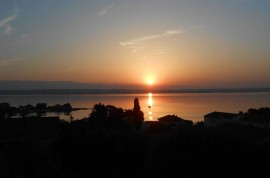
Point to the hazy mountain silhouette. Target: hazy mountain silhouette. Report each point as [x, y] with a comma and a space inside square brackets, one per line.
[70, 87]
[45, 85]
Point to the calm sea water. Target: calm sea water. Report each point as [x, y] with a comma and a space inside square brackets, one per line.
[185, 105]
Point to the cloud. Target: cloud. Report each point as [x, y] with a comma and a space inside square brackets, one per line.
[5, 25]
[136, 44]
[24, 36]
[7, 62]
[105, 10]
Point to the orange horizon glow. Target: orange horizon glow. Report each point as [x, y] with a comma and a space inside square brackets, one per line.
[141, 53]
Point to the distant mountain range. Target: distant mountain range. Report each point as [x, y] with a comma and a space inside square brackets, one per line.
[45, 85]
[67, 87]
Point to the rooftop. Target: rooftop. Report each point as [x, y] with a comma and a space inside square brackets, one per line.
[173, 119]
[217, 114]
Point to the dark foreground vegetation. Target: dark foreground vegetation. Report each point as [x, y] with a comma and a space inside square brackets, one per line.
[114, 142]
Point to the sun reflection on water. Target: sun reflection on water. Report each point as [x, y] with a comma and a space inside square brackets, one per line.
[150, 104]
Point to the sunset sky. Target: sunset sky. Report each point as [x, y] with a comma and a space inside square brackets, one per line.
[173, 43]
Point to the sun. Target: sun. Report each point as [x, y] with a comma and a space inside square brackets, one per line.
[150, 81]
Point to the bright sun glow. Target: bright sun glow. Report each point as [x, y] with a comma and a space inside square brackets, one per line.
[150, 81]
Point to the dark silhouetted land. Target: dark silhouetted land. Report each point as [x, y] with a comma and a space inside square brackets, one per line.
[111, 143]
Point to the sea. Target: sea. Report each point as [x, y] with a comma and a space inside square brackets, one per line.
[189, 106]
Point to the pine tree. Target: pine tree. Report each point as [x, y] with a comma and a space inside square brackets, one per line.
[138, 114]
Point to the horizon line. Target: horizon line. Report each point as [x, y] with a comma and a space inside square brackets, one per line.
[133, 91]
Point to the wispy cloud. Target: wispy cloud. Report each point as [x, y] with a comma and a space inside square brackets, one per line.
[7, 62]
[105, 11]
[5, 25]
[24, 36]
[136, 44]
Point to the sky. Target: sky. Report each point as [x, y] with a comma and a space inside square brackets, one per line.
[174, 43]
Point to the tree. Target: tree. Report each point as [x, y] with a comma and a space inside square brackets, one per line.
[67, 107]
[138, 114]
[99, 114]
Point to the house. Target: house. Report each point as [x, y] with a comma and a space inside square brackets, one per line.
[215, 119]
[174, 120]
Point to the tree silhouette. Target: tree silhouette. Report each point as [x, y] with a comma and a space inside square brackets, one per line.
[115, 116]
[99, 114]
[107, 116]
[138, 114]
[67, 107]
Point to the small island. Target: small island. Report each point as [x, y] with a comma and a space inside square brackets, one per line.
[40, 109]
